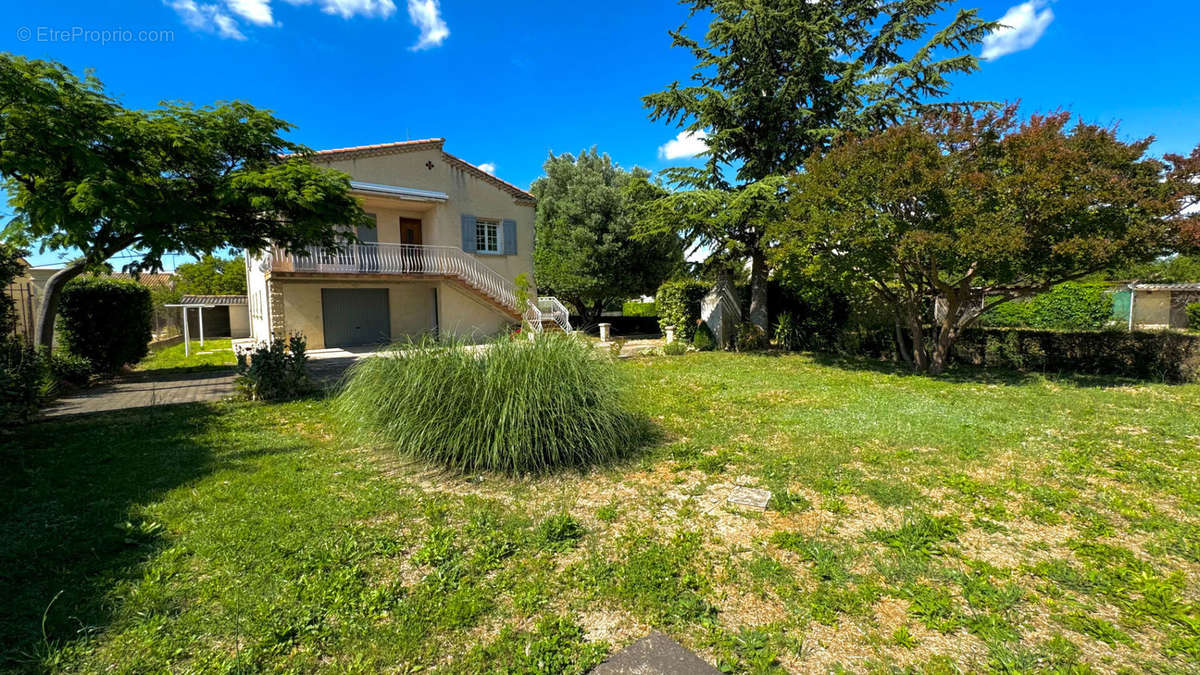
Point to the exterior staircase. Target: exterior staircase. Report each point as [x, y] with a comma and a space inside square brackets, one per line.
[416, 261]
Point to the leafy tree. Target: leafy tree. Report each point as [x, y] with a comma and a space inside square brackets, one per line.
[211, 275]
[1175, 269]
[585, 251]
[86, 173]
[777, 80]
[954, 215]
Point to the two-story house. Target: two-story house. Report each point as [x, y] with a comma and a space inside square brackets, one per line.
[449, 241]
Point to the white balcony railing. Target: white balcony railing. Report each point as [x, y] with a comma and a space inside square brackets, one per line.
[419, 260]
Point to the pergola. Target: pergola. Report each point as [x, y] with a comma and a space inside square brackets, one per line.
[201, 303]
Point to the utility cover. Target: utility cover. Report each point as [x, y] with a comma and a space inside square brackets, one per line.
[751, 497]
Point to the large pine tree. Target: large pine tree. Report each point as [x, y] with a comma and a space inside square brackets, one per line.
[776, 81]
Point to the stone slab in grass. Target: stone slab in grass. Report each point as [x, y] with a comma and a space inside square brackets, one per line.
[750, 497]
[655, 654]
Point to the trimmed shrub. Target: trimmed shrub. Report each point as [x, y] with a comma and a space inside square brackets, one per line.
[678, 304]
[25, 380]
[676, 348]
[1069, 306]
[276, 371]
[1168, 356]
[106, 321]
[514, 406]
[70, 368]
[703, 339]
[787, 332]
[1193, 316]
[634, 308]
[750, 338]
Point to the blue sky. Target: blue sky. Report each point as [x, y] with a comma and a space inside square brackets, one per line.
[505, 83]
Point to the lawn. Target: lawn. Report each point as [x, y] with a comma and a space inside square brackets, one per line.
[968, 522]
[216, 354]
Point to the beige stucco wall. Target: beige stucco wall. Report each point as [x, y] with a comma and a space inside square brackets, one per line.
[442, 223]
[410, 307]
[463, 315]
[1152, 309]
[239, 321]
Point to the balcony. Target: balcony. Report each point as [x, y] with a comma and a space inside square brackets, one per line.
[419, 261]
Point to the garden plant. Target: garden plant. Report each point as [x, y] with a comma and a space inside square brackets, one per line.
[511, 406]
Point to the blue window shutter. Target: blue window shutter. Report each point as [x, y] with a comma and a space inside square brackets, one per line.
[510, 237]
[468, 232]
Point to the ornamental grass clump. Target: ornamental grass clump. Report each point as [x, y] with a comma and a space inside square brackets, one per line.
[515, 406]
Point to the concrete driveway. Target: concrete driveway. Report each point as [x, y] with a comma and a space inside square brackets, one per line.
[143, 389]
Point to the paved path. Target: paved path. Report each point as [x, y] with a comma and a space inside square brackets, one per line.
[655, 654]
[139, 390]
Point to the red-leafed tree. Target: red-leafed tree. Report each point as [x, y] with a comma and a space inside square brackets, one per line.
[950, 216]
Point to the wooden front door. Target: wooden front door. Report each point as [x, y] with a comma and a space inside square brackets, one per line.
[410, 231]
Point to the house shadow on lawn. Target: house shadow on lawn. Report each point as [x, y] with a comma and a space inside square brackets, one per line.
[69, 535]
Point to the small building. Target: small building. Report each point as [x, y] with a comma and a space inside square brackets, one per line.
[722, 312]
[1154, 306]
[215, 316]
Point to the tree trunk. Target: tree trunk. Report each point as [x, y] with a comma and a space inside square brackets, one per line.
[901, 345]
[758, 289]
[48, 308]
[941, 352]
[947, 333]
[920, 353]
[595, 312]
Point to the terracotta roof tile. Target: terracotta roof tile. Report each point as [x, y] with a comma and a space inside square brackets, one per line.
[156, 280]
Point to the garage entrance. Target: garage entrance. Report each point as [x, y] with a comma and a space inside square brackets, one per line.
[355, 316]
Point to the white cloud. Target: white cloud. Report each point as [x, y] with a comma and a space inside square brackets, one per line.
[427, 15]
[350, 8]
[209, 18]
[226, 17]
[1022, 27]
[489, 167]
[685, 144]
[257, 12]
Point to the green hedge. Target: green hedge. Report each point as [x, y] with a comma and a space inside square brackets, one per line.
[1069, 306]
[1193, 316]
[678, 304]
[1168, 356]
[106, 321]
[634, 308]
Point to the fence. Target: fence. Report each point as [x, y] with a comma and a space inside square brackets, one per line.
[21, 293]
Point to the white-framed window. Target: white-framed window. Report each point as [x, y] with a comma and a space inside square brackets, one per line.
[487, 236]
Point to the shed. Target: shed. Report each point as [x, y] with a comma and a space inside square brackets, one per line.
[1155, 306]
[215, 316]
[722, 312]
